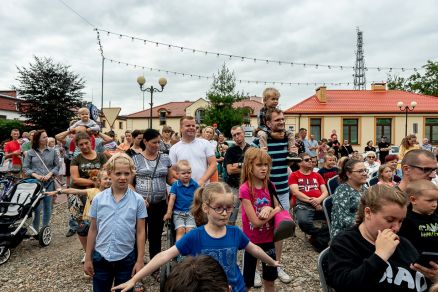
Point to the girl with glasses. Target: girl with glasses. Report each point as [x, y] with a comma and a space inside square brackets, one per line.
[214, 203]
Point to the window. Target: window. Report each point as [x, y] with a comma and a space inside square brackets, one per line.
[199, 115]
[431, 128]
[120, 125]
[162, 117]
[315, 128]
[383, 128]
[3, 117]
[350, 130]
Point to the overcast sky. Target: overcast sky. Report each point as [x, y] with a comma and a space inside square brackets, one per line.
[396, 34]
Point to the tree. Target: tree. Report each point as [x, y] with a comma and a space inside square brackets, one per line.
[424, 84]
[50, 93]
[222, 95]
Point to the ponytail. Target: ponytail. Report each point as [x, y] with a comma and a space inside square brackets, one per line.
[196, 209]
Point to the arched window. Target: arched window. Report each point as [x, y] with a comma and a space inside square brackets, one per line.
[199, 115]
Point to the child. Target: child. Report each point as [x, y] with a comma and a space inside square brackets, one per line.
[385, 176]
[180, 200]
[117, 227]
[421, 223]
[270, 100]
[84, 120]
[215, 238]
[258, 210]
[328, 169]
[101, 182]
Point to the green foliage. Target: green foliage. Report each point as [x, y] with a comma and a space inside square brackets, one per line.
[51, 92]
[424, 84]
[222, 95]
[7, 125]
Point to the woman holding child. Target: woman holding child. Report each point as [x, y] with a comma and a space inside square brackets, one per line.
[153, 171]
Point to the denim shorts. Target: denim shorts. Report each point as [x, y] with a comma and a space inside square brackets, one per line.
[183, 219]
[284, 201]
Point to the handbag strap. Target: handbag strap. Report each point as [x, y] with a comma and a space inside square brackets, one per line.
[41, 161]
[273, 193]
[156, 165]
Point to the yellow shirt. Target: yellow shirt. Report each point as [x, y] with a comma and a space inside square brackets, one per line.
[91, 193]
[403, 150]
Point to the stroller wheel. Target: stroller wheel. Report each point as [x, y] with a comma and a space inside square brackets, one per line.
[5, 254]
[45, 236]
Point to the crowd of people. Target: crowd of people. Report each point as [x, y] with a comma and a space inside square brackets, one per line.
[119, 197]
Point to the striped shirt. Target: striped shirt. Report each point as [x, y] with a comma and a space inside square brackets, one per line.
[277, 149]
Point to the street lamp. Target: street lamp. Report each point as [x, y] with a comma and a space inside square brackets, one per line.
[406, 109]
[141, 81]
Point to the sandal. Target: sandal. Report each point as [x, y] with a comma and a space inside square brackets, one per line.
[138, 287]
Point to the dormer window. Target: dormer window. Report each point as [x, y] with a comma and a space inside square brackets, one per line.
[163, 117]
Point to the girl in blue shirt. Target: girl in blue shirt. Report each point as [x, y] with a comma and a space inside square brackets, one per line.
[214, 202]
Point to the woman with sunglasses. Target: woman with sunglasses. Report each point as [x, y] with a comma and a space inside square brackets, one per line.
[371, 163]
[353, 177]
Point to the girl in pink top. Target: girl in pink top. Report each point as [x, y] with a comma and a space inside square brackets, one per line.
[258, 210]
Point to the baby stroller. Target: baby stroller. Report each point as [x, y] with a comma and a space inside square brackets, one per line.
[16, 217]
[171, 236]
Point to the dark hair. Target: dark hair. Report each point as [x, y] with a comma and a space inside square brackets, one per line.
[271, 111]
[150, 134]
[36, 139]
[347, 167]
[197, 274]
[134, 134]
[81, 136]
[411, 158]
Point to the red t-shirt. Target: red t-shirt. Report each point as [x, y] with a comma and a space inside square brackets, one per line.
[308, 184]
[13, 146]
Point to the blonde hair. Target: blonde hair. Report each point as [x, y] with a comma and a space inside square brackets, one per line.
[375, 197]
[269, 90]
[415, 188]
[207, 195]
[82, 110]
[182, 164]
[110, 166]
[382, 169]
[96, 175]
[252, 155]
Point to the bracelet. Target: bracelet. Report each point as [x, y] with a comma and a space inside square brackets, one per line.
[59, 192]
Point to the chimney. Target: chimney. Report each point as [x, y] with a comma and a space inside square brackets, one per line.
[378, 86]
[321, 94]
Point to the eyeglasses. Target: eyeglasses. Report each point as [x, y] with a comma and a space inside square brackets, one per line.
[307, 159]
[426, 170]
[236, 134]
[361, 170]
[221, 209]
[371, 157]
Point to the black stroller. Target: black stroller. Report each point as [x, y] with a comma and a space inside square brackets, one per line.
[16, 217]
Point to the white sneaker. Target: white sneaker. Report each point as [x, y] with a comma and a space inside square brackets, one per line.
[83, 259]
[257, 280]
[285, 278]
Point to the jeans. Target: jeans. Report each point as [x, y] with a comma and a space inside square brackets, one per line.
[305, 216]
[105, 272]
[155, 226]
[46, 205]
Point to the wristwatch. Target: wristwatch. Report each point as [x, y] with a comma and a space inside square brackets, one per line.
[239, 165]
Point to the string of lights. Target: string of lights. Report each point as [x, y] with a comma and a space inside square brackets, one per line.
[251, 59]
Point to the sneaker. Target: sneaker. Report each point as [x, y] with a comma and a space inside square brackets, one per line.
[285, 278]
[83, 259]
[70, 233]
[257, 280]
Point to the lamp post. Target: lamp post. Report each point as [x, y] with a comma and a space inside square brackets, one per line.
[141, 81]
[406, 109]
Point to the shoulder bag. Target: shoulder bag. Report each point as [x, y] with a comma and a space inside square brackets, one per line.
[56, 181]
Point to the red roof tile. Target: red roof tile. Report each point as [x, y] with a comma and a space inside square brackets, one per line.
[365, 102]
[10, 93]
[174, 109]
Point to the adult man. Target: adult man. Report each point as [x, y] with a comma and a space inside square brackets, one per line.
[384, 148]
[13, 150]
[278, 150]
[426, 145]
[417, 164]
[311, 145]
[198, 152]
[310, 190]
[233, 164]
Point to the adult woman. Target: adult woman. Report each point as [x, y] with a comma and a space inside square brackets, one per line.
[353, 176]
[153, 171]
[42, 163]
[371, 163]
[370, 146]
[208, 134]
[346, 149]
[370, 256]
[165, 143]
[127, 143]
[137, 145]
[392, 160]
[88, 159]
[408, 143]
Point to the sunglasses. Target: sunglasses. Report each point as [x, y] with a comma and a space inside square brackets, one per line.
[371, 157]
[307, 159]
[425, 170]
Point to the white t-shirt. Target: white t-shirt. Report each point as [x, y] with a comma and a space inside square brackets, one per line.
[196, 153]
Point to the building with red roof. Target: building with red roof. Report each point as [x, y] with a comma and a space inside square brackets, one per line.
[363, 115]
[9, 105]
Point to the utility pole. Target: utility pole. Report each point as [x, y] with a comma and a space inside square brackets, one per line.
[359, 68]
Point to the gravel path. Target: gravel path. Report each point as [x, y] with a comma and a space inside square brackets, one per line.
[58, 267]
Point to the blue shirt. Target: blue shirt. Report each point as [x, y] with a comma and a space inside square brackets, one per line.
[310, 143]
[184, 195]
[223, 249]
[116, 223]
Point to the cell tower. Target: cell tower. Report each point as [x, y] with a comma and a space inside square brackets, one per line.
[359, 69]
